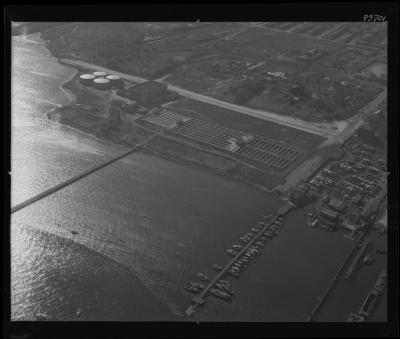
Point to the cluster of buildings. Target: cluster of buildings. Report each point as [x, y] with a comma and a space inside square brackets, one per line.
[100, 80]
[347, 192]
[146, 92]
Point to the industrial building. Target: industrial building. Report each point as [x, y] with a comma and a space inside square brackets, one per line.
[102, 83]
[329, 214]
[348, 225]
[100, 74]
[148, 91]
[87, 79]
[337, 205]
[115, 80]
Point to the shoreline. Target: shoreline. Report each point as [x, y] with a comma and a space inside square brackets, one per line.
[149, 150]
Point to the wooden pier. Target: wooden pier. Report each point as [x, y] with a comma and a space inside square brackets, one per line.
[200, 298]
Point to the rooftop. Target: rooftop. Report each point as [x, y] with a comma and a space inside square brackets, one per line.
[328, 212]
[337, 204]
[148, 85]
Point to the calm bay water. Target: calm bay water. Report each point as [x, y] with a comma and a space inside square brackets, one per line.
[161, 220]
[145, 226]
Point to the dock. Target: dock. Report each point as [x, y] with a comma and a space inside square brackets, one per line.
[356, 261]
[70, 181]
[368, 305]
[324, 296]
[200, 298]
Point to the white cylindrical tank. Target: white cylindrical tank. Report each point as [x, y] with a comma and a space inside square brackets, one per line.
[114, 79]
[101, 83]
[100, 74]
[86, 79]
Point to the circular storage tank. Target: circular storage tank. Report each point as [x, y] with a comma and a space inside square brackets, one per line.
[100, 74]
[114, 79]
[101, 83]
[86, 79]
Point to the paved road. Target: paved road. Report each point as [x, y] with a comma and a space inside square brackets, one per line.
[319, 129]
[357, 120]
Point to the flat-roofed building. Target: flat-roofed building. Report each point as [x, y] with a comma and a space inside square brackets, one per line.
[148, 91]
[337, 205]
[329, 214]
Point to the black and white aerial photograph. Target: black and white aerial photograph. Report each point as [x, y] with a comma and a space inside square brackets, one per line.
[199, 171]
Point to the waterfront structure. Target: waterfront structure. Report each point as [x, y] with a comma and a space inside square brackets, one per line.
[148, 91]
[329, 214]
[348, 225]
[101, 83]
[285, 209]
[86, 79]
[100, 74]
[337, 205]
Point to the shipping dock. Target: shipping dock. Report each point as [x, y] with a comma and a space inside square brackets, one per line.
[368, 304]
[357, 259]
[370, 301]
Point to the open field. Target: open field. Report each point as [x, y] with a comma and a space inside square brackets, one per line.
[230, 61]
[365, 34]
[378, 70]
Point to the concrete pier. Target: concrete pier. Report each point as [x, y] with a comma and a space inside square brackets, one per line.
[322, 298]
[69, 182]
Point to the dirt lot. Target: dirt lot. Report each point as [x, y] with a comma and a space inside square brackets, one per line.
[378, 70]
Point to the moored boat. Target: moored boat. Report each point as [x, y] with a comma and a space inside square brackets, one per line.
[220, 294]
[217, 267]
[202, 277]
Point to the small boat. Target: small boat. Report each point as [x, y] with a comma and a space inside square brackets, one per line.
[202, 277]
[355, 318]
[74, 232]
[197, 285]
[225, 282]
[231, 252]
[234, 272]
[369, 259]
[220, 294]
[191, 288]
[217, 267]
[380, 283]
[224, 288]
